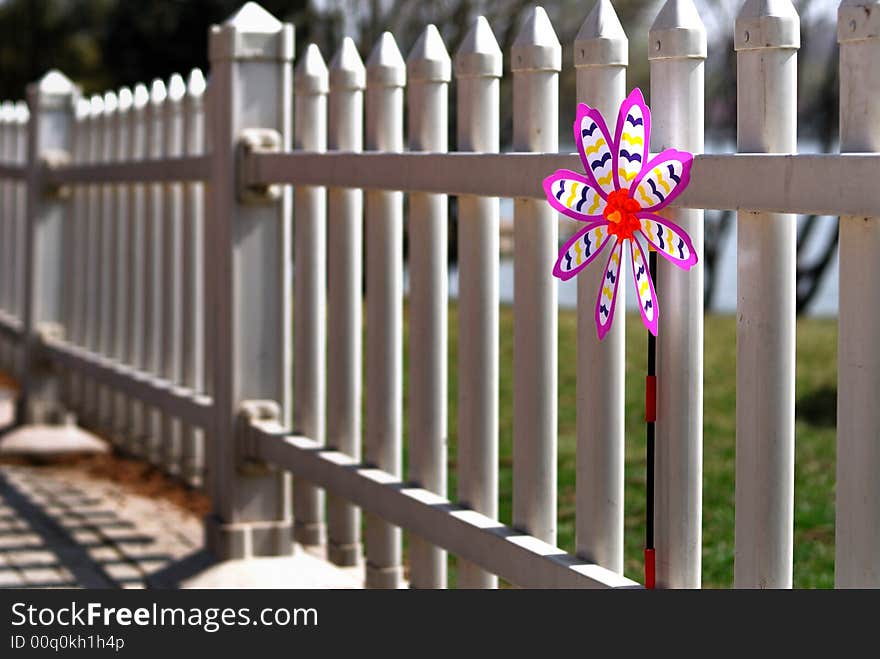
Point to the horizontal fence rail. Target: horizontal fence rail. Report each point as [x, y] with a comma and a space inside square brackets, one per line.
[191, 268]
[806, 184]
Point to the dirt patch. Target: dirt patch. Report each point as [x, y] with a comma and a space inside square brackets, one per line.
[136, 476]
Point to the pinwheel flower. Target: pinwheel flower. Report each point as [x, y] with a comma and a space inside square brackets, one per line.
[618, 200]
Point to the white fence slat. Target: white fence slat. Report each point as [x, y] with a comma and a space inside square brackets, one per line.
[121, 319]
[192, 447]
[677, 51]
[536, 59]
[310, 88]
[344, 323]
[170, 271]
[6, 248]
[428, 75]
[153, 231]
[478, 72]
[600, 60]
[857, 527]
[137, 290]
[766, 39]
[91, 261]
[109, 264]
[386, 77]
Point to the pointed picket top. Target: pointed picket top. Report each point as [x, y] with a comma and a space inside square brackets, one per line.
[96, 105]
[82, 109]
[111, 102]
[176, 88]
[21, 113]
[126, 99]
[429, 60]
[767, 24]
[7, 109]
[601, 39]
[254, 19]
[678, 32]
[385, 65]
[858, 20]
[311, 75]
[347, 68]
[479, 54]
[141, 96]
[196, 83]
[158, 91]
[536, 47]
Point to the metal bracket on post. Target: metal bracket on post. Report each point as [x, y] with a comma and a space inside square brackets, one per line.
[250, 412]
[53, 159]
[250, 141]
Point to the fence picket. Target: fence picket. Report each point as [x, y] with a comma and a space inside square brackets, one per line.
[477, 74]
[766, 40]
[600, 60]
[344, 324]
[428, 75]
[310, 88]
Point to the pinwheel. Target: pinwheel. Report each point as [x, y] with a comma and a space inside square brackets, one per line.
[617, 199]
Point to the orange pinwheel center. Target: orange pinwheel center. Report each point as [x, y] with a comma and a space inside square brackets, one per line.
[620, 213]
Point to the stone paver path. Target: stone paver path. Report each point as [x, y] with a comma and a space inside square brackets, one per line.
[60, 528]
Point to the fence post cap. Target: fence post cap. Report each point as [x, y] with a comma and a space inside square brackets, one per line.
[251, 33]
[385, 65]
[858, 20]
[601, 41]
[428, 60]
[6, 110]
[764, 24]
[536, 47]
[126, 99]
[347, 68]
[678, 32]
[311, 75]
[53, 90]
[479, 55]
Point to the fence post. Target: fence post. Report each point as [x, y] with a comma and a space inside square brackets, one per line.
[344, 322]
[536, 59]
[192, 348]
[478, 73]
[428, 74]
[251, 87]
[601, 56]
[766, 39]
[386, 77]
[857, 529]
[677, 52]
[51, 101]
[310, 84]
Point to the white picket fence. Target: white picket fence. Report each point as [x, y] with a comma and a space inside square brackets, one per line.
[147, 258]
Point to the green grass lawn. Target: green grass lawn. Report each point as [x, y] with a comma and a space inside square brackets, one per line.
[815, 450]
